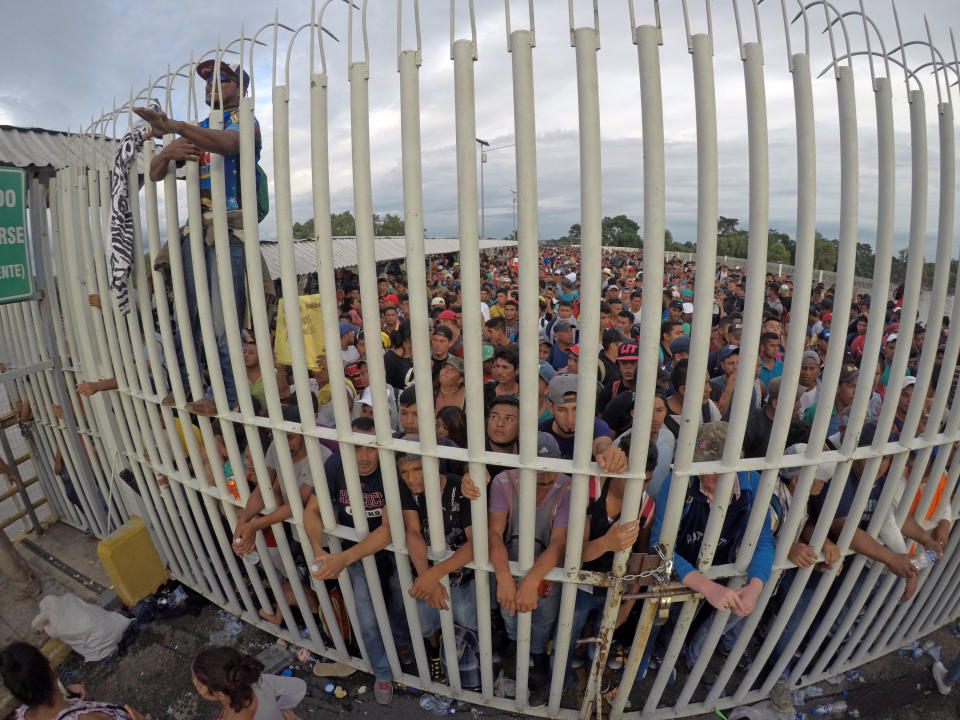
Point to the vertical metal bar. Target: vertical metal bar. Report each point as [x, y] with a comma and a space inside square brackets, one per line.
[464, 54]
[646, 38]
[707, 199]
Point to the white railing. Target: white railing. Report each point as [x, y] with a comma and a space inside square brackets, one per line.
[192, 519]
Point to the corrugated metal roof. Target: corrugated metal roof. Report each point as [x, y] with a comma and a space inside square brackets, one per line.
[50, 149]
[345, 251]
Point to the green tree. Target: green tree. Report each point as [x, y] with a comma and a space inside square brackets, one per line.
[726, 226]
[303, 231]
[824, 253]
[620, 231]
[775, 236]
[777, 253]
[343, 224]
[388, 225]
[573, 234]
[865, 260]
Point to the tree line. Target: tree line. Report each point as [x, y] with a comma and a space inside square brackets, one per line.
[622, 231]
[345, 225]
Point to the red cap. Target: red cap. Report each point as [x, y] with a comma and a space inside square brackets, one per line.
[447, 315]
[575, 349]
[392, 298]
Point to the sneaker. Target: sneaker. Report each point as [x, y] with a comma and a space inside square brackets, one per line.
[617, 658]
[405, 654]
[940, 675]
[436, 670]
[383, 691]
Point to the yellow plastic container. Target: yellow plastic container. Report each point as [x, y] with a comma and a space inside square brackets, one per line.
[131, 562]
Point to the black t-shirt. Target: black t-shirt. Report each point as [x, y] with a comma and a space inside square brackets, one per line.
[374, 501]
[396, 368]
[456, 518]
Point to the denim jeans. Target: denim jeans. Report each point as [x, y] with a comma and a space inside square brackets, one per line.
[463, 604]
[367, 618]
[727, 639]
[541, 624]
[798, 611]
[216, 310]
[586, 604]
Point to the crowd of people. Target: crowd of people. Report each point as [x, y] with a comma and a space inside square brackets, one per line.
[626, 303]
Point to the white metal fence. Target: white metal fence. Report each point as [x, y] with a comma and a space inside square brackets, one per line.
[66, 341]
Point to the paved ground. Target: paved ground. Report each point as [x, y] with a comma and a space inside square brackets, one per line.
[154, 675]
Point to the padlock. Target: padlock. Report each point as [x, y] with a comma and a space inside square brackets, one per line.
[663, 611]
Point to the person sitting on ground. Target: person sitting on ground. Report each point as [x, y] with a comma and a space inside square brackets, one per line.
[237, 682]
[30, 678]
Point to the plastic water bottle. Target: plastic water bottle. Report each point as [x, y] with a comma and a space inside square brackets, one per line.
[436, 704]
[316, 565]
[253, 556]
[800, 697]
[829, 709]
[922, 562]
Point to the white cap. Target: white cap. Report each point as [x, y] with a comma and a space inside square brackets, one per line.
[688, 308]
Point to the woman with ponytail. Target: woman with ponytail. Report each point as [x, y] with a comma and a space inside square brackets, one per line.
[29, 677]
[237, 681]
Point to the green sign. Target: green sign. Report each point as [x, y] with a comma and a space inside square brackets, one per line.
[16, 280]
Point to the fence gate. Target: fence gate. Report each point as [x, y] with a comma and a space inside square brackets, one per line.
[103, 457]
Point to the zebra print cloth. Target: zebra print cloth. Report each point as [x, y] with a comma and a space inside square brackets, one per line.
[121, 219]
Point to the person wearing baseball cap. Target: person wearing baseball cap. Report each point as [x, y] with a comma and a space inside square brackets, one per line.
[701, 493]
[627, 358]
[562, 400]
[348, 339]
[196, 143]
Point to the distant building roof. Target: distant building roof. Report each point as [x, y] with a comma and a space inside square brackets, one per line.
[39, 149]
[345, 251]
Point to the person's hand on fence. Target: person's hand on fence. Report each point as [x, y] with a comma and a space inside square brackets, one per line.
[182, 150]
[507, 593]
[621, 536]
[934, 546]
[909, 589]
[612, 460]
[159, 122]
[469, 488]
[57, 411]
[830, 552]
[94, 300]
[720, 596]
[333, 565]
[88, 389]
[527, 596]
[941, 533]
[748, 595]
[427, 587]
[802, 555]
[901, 566]
[244, 538]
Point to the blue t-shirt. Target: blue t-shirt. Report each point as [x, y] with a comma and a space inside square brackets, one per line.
[231, 163]
[768, 374]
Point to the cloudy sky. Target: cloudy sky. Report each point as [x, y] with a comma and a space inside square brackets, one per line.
[67, 61]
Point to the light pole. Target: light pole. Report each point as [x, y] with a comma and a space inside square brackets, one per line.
[483, 159]
[514, 214]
